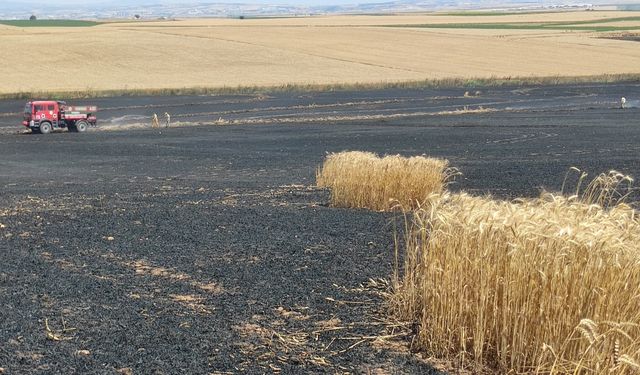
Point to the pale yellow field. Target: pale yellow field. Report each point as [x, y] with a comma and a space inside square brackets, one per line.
[402, 19]
[317, 50]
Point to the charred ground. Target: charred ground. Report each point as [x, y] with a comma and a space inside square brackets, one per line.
[206, 248]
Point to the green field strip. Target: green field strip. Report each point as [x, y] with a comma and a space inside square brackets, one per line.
[49, 23]
[518, 26]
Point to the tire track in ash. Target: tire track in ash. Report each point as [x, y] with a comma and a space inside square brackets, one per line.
[364, 108]
[522, 138]
[277, 112]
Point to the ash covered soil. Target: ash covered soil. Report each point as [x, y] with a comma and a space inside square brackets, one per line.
[204, 249]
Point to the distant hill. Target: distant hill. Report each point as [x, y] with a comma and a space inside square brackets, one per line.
[101, 9]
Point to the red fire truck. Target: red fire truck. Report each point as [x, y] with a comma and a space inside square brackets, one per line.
[45, 116]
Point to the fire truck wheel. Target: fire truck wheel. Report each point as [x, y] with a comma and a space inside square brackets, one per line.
[45, 128]
[81, 126]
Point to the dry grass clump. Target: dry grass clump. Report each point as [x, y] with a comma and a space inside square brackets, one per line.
[547, 285]
[364, 180]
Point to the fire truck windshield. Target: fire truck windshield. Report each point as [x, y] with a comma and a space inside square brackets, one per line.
[27, 109]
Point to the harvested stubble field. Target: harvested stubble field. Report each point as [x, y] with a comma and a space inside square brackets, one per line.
[317, 50]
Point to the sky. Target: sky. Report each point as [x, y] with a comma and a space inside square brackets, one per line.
[134, 2]
[120, 3]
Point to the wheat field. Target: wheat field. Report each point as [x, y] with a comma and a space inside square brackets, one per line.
[364, 180]
[547, 285]
[310, 50]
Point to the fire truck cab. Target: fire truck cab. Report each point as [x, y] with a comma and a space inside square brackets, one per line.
[46, 116]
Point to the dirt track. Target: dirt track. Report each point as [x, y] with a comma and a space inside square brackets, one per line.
[206, 248]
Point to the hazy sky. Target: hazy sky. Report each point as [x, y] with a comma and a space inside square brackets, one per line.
[134, 2]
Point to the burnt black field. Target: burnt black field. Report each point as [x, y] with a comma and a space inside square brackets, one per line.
[206, 248]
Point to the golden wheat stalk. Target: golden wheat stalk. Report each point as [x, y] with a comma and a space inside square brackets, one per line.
[364, 180]
[546, 285]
